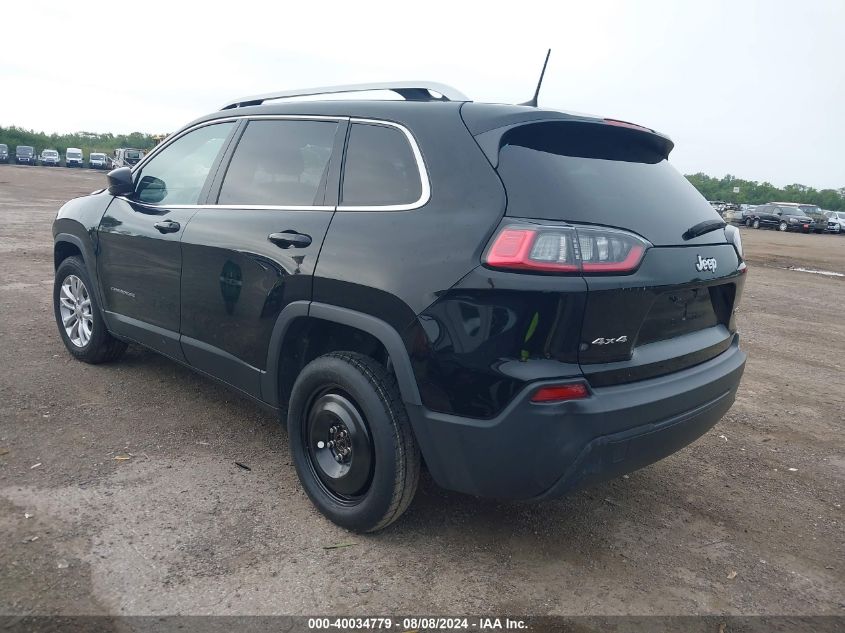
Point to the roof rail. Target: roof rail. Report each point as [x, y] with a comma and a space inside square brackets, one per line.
[411, 90]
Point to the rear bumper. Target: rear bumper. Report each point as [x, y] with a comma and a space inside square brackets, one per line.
[535, 451]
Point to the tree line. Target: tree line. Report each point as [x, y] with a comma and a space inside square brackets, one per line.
[86, 141]
[752, 192]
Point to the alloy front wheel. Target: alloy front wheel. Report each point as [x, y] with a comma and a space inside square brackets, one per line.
[75, 309]
[78, 316]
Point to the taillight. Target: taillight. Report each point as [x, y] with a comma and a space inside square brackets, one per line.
[561, 393]
[565, 249]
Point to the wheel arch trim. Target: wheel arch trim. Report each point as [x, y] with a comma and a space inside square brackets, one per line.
[380, 330]
[86, 251]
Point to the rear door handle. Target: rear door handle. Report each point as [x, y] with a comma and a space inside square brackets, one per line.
[167, 226]
[286, 239]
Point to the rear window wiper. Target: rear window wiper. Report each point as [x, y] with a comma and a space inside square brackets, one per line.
[703, 227]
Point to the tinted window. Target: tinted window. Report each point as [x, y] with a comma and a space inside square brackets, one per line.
[598, 174]
[176, 175]
[380, 168]
[280, 163]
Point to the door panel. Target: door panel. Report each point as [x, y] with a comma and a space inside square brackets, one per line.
[246, 258]
[139, 269]
[140, 256]
[235, 283]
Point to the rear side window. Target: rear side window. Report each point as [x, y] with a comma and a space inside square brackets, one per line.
[380, 168]
[280, 163]
[598, 174]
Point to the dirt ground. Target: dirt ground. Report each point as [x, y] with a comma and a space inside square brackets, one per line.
[747, 520]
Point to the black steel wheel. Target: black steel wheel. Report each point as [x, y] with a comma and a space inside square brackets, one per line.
[340, 452]
[351, 441]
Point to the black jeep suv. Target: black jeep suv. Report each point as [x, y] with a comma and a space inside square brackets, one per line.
[526, 300]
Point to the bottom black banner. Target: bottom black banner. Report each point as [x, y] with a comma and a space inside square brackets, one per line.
[281, 624]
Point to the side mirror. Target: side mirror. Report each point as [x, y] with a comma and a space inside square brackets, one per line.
[120, 181]
[151, 190]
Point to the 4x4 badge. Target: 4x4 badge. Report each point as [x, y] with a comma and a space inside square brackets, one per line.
[610, 341]
[708, 263]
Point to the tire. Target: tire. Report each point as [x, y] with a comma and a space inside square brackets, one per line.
[352, 391]
[748, 222]
[783, 226]
[756, 224]
[94, 346]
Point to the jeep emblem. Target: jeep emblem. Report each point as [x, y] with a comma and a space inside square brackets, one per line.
[706, 263]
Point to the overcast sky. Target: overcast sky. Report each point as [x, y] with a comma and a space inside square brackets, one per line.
[751, 88]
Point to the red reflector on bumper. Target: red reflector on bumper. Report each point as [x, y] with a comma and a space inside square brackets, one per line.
[559, 393]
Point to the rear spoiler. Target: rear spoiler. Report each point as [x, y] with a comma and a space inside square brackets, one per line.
[492, 140]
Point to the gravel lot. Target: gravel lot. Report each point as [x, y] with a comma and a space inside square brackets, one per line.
[748, 520]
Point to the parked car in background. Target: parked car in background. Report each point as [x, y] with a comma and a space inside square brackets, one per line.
[781, 217]
[835, 221]
[126, 157]
[4, 153]
[50, 158]
[25, 155]
[734, 215]
[719, 205]
[812, 211]
[97, 160]
[73, 157]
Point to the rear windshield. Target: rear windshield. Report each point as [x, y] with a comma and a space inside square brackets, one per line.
[598, 174]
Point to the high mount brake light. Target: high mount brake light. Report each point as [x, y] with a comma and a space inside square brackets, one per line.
[565, 249]
[633, 126]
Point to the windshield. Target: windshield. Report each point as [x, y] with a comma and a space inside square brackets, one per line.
[97, 156]
[841, 215]
[74, 153]
[133, 154]
[50, 152]
[24, 149]
[3, 146]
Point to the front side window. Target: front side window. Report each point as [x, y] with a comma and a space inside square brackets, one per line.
[280, 163]
[177, 174]
[380, 168]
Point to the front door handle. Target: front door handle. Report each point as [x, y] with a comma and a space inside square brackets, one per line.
[286, 239]
[167, 226]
